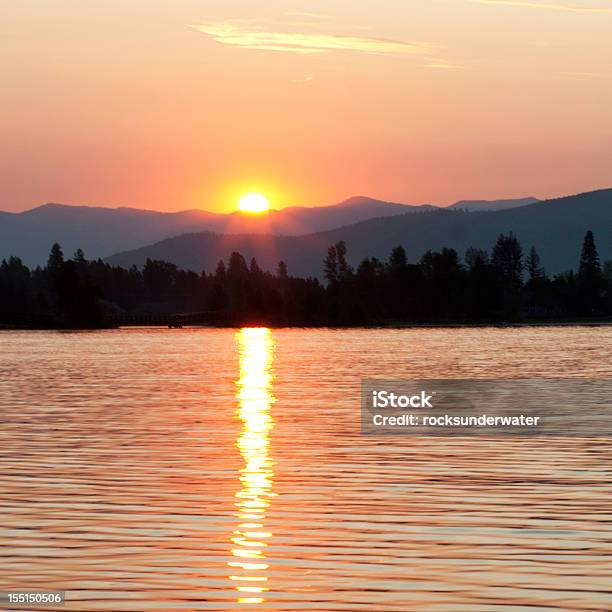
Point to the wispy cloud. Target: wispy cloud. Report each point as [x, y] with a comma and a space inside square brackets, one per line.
[309, 15]
[273, 36]
[551, 6]
[305, 79]
[442, 64]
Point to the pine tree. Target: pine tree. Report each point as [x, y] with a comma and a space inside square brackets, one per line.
[56, 258]
[590, 278]
[281, 271]
[330, 265]
[589, 258]
[398, 259]
[476, 258]
[533, 265]
[508, 258]
[220, 271]
[237, 267]
[344, 270]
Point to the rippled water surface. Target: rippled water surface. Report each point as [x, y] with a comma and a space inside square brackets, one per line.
[196, 469]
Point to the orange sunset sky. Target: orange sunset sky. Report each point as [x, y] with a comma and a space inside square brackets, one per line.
[189, 103]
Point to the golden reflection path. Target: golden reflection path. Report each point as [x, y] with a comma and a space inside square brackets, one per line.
[254, 395]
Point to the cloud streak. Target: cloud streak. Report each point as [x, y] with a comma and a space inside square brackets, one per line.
[309, 15]
[257, 34]
[442, 64]
[550, 6]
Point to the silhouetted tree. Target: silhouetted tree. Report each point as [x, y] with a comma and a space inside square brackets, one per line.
[79, 256]
[589, 258]
[508, 259]
[395, 285]
[443, 277]
[335, 265]
[81, 293]
[344, 270]
[476, 258]
[533, 265]
[160, 278]
[237, 267]
[79, 302]
[281, 271]
[56, 259]
[566, 289]
[483, 297]
[220, 270]
[398, 259]
[590, 278]
[254, 267]
[340, 288]
[15, 290]
[330, 265]
[538, 299]
[369, 289]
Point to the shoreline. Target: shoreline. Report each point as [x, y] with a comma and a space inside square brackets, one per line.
[389, 325]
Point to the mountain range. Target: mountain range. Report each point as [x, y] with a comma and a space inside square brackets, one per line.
[101, 231]
[556, 227]
[491, 205]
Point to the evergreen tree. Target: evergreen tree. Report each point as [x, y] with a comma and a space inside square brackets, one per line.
[330, 265]
[508, 259]
[344, 270]
[398, 259]
[439, 288]
[482, 289]
[78, 300]
[476, 258]
[589, 258]
[590, 278]
[220, 271]
[533, 265]
[160, 278]
[237, 267]
[341, 303]
[254, 267]
[15, 282]
[281, 271]
[56, 259]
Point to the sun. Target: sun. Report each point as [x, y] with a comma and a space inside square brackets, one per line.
[253, 203]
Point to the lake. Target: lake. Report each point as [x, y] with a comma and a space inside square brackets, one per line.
[219, 469]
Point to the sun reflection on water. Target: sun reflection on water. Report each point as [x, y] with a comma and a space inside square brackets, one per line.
[254, 395]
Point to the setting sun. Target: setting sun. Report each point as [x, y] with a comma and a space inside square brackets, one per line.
[253, 203]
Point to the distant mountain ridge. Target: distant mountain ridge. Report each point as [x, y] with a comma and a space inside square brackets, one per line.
[555, 227]
[101, 231]
[490, 205]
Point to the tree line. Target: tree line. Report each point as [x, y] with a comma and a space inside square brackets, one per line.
[504, 284]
